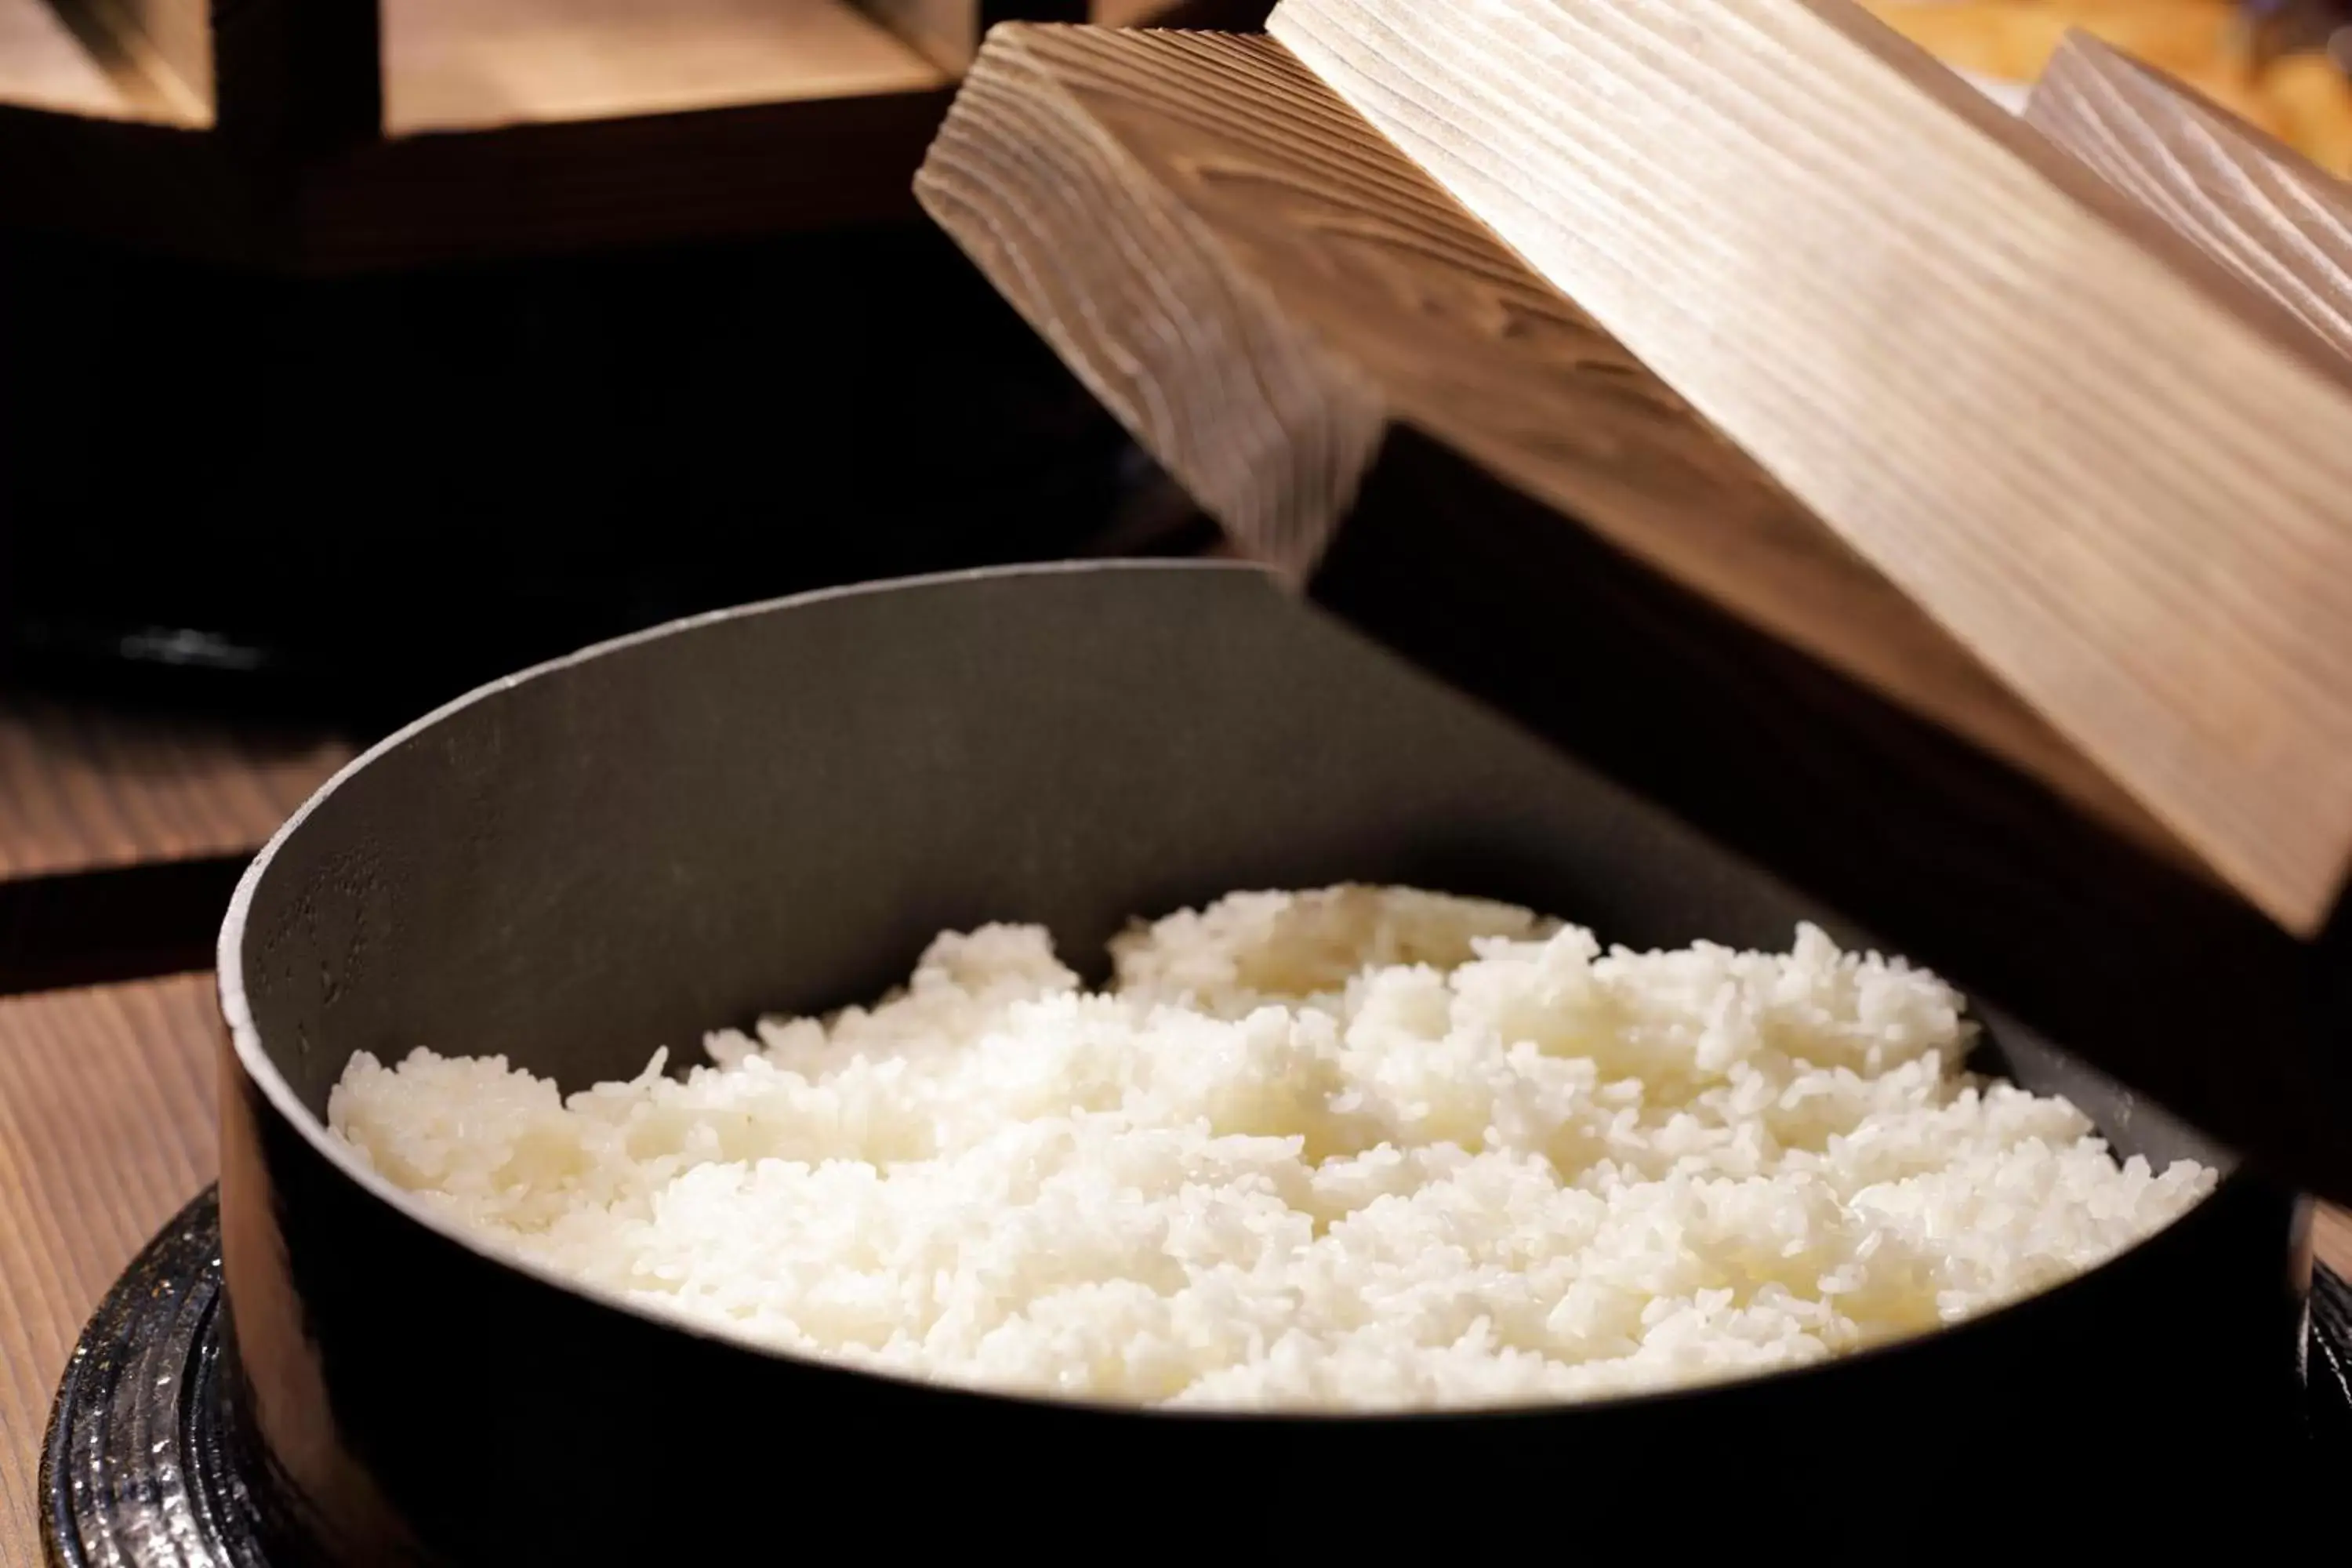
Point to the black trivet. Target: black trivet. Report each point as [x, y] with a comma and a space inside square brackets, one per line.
[136, 1472]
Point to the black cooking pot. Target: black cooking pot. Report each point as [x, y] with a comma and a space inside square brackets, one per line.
[774, 809]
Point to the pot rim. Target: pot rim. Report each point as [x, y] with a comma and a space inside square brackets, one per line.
[253, 1060]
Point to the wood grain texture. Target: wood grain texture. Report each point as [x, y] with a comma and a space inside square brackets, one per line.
[2246, 199]
[44, 65]
[1267, 425]
[2114, 471]
[86, 790]
[467, 64]
[105, 1129]
[1259, 286]
[121, 837]
[162, 48]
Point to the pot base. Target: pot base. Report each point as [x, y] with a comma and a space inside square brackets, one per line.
[137, 1469]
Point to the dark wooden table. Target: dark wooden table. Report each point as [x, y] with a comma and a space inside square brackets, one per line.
[106, 1090]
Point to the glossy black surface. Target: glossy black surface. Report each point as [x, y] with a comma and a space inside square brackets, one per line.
[775, 809]
[137, 1471]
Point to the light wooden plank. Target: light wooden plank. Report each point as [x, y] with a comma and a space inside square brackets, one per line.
[44, 65]
[2112, 470]
[2331, 1241]
[121, 833]
[2246, 199]
[83, 789]
[469, 64]
[106, 1129]
[1115, 189]
[163, 48]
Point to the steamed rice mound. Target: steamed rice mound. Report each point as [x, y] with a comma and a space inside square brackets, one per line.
[1359, 1148]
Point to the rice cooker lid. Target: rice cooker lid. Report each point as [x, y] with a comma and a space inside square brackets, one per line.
[1445, 446]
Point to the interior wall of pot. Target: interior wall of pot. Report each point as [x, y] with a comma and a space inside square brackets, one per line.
[776, 812]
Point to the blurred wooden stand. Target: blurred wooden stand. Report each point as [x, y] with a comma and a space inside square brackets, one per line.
[333, 135]
[544, 320]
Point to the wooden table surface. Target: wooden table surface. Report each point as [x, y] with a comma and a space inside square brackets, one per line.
[120, 836]
[121, 833]
[107, 1091]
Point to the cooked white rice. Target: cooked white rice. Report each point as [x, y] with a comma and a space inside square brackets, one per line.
[1359, 1148]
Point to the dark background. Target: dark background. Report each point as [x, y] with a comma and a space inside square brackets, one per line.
[354, 498]
[349, 498]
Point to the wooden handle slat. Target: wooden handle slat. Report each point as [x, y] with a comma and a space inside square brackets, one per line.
[2244, 198]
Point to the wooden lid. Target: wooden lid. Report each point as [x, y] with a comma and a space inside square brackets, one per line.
[1732, 394]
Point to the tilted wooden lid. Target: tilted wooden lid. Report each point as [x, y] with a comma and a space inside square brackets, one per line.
[1732, 394]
